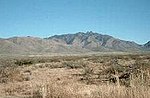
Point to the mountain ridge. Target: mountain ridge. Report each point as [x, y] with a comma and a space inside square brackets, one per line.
[69, 43]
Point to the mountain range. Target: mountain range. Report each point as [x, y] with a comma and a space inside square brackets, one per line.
[69, 43]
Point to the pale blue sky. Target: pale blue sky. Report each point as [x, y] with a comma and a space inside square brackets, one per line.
[124, 19]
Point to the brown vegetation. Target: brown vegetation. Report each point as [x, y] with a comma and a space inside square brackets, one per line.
[110, 76]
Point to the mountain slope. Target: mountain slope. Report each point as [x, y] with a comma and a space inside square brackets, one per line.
[32, 45]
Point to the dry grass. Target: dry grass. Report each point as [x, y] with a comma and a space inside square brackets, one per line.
[110, 76]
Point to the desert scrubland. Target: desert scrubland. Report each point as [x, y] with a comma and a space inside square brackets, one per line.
[76, 76]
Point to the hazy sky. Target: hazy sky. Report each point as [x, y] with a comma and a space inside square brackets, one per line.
[124, 19]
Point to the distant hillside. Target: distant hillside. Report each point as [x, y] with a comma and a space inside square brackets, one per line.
[68, 43]
[32, 45]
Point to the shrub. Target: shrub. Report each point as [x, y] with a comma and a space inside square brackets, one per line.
[24, 62]
[72, 64]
